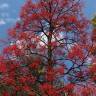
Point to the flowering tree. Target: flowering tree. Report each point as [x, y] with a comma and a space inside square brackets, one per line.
[50, 53]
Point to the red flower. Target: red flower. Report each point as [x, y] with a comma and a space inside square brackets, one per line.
[50, 74]
[76, 52]
[23, 35]
[72, 19]
[94, 34]
[79, 74]
[3, 67]
[69, 87]
[22, 79]
[26, 88]
[12, 33]
[49, 89]
[35, 64]
[5, 93]
[9, 80]
[17, 88]
[60, 70]
[93, 69]
[85, 92]
[9, 49]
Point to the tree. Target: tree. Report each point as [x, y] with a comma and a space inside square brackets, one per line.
[50, 53]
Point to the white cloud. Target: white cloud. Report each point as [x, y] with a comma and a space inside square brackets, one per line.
[5, 14]
[2, 22]
[10, 19]
[18, 19]
[4, 5]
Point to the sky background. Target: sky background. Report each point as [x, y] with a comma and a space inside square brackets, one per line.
[9, 13]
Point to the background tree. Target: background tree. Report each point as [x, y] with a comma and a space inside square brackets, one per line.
[50, 52]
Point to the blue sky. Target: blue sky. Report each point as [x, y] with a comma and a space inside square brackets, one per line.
[89, 8]
[9, 13]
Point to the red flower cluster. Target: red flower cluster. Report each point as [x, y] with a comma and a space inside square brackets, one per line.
[3, 67]
[35, 64]
[48, 89]
[12, 50]
[72, 19]
[76, 52]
